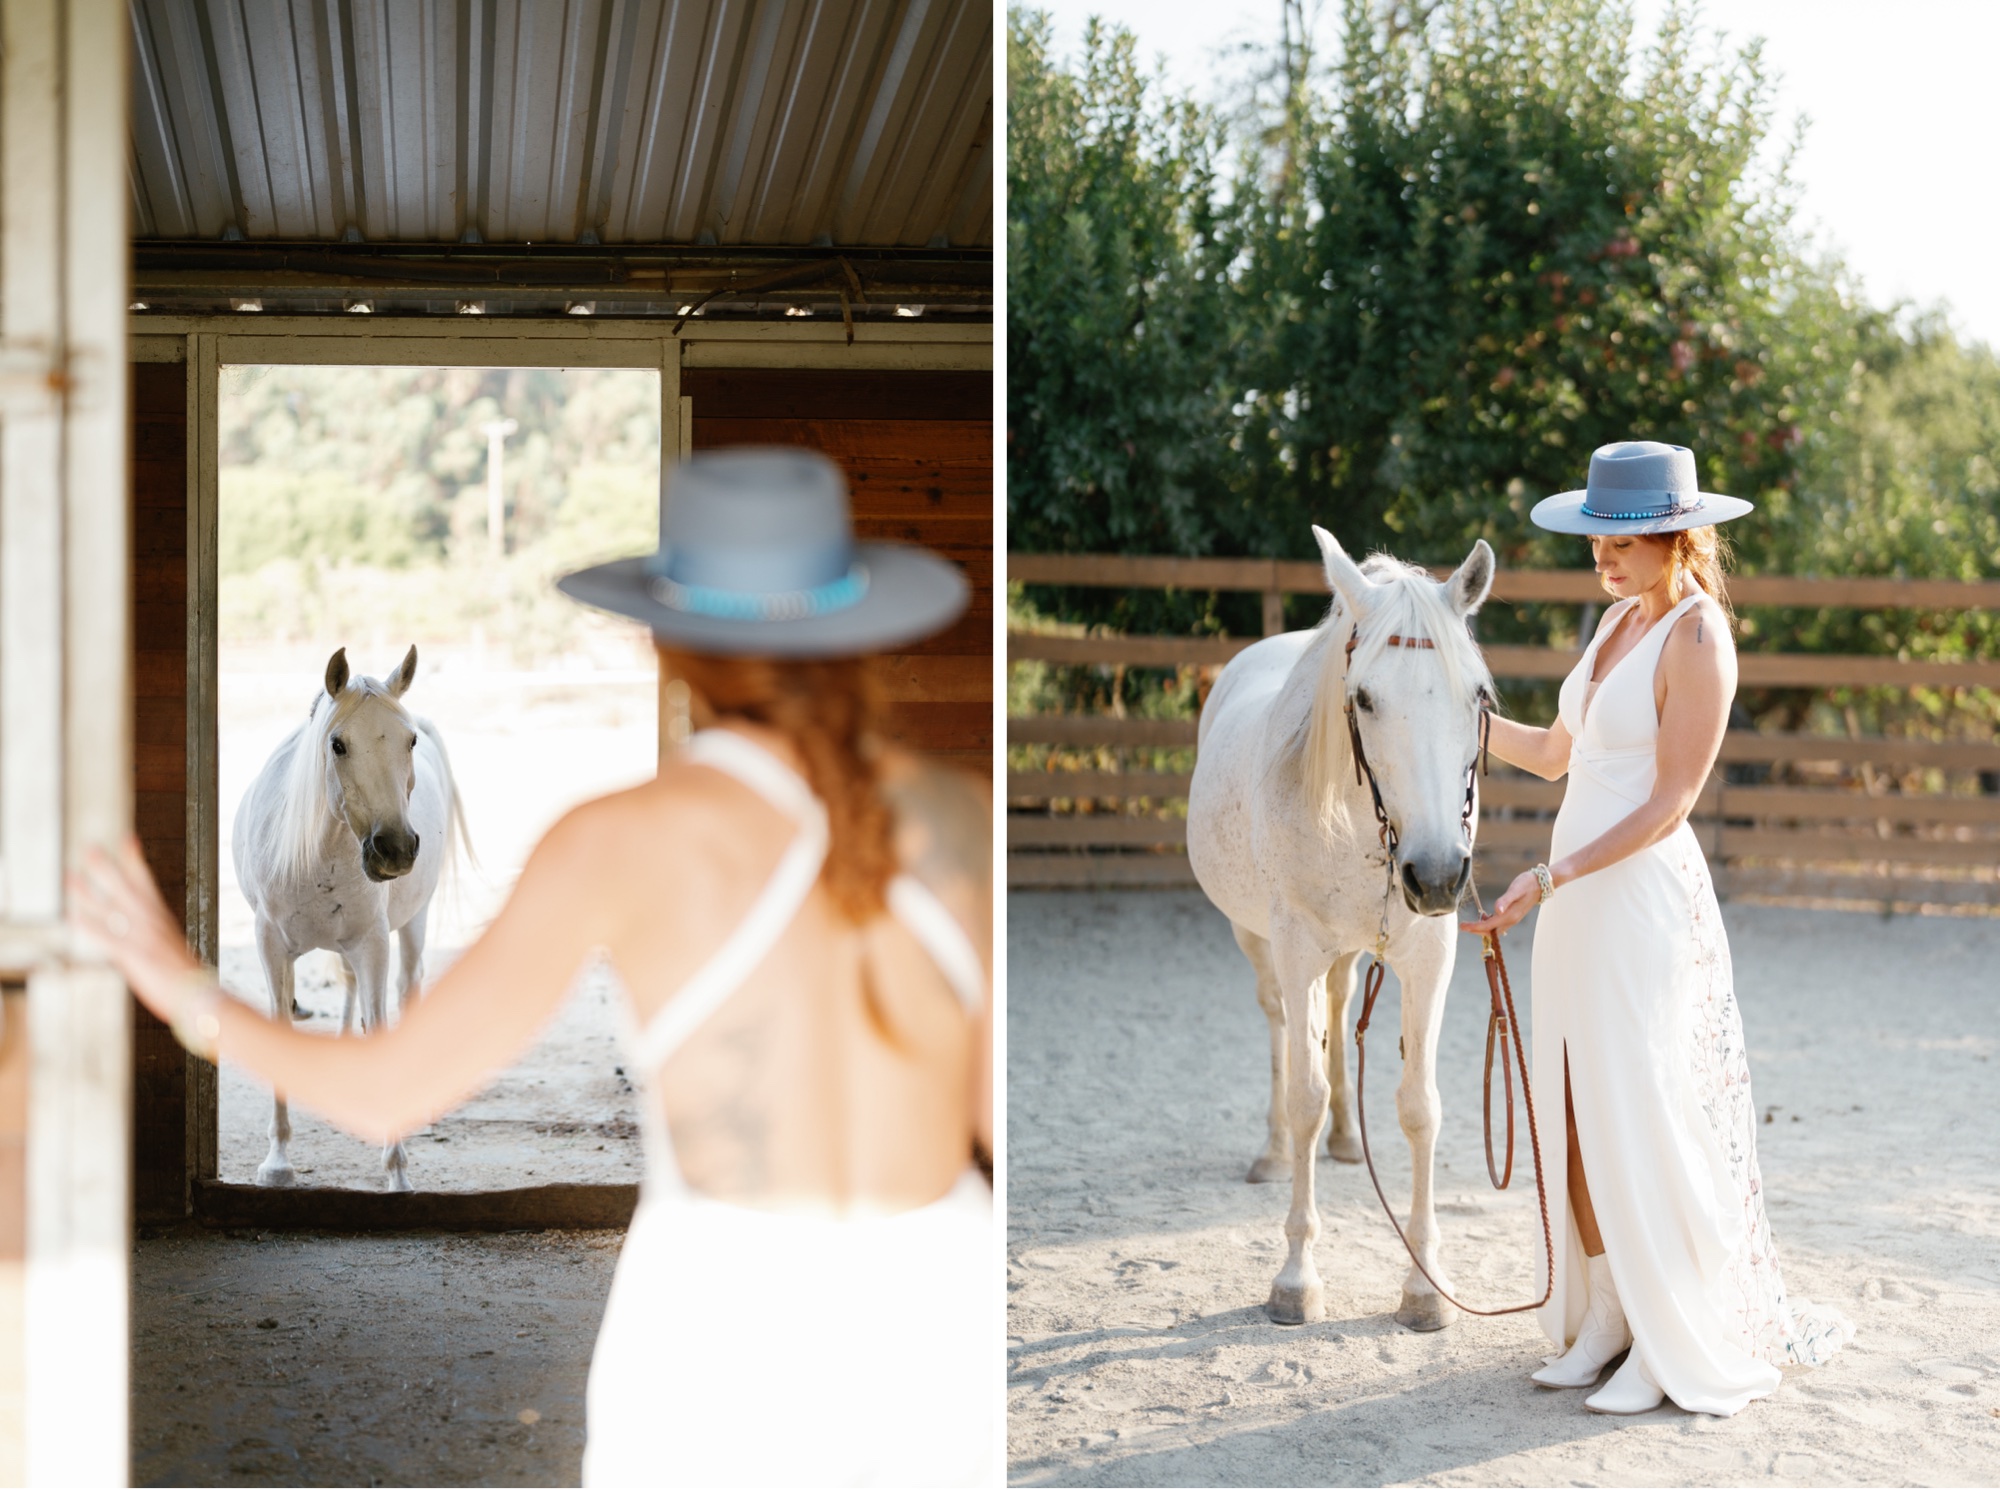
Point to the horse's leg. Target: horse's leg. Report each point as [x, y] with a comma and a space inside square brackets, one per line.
[1296, 1296]
[1342, 1141]
[370, 959]
[277, 960]
[1276, 1160]
[1423, 968]
[410, 960]
[347, 997]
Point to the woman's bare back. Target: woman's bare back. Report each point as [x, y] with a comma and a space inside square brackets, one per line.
[841, 1074]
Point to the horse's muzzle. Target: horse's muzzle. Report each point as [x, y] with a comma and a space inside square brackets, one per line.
[1433, 883]
[388, 855]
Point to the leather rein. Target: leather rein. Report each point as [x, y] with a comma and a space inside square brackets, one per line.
[1502, 1023]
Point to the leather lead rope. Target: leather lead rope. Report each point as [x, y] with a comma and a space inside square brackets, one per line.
[1502, 1025]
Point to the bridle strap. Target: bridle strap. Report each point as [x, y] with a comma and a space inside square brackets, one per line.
[1503, 997]
[1502, 1024]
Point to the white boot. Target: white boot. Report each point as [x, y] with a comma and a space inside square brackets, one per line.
[1603, 1335]
[1630, 1390]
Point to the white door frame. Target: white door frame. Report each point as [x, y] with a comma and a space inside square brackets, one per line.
[208, 343]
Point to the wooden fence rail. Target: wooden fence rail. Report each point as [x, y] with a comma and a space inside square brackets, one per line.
[1755, 669]
[1843, 827]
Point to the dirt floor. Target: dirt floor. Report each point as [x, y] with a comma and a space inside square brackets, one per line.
[263, 1358]
[563, 1114]
[1139, 1260]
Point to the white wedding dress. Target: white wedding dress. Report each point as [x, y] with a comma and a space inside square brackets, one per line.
[750, 1347]
[1632, 980]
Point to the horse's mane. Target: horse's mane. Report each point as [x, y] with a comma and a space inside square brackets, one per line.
[292, 834]
[1407, 601]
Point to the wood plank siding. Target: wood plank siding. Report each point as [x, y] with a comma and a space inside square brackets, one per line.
[917, 448]
[159, 758]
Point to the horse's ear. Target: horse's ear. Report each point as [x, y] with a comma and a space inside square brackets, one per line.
[1343, 574]
[336, 673]
[1472, 581]
[404, 676]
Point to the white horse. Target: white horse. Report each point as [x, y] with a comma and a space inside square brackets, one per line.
[340, 842]
[1282, 836]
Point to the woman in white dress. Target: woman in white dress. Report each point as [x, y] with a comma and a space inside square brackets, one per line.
[802, 921]
[1663, 1250]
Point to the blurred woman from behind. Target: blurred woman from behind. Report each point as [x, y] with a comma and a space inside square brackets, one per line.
[801, 918]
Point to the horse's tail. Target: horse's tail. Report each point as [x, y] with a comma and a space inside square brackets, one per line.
[458, 840]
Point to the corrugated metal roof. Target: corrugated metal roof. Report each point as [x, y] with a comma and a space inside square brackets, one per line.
[753, 122]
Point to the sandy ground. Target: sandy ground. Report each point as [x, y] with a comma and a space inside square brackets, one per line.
[525, 748]
[293, 1359]
[1139, 1259]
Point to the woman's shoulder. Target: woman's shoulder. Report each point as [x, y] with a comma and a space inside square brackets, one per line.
[679, 806]
[944, 816]
[901, 770]
[1701, 637]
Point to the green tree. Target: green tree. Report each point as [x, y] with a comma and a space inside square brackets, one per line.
[1120, 341]
[1512, 240]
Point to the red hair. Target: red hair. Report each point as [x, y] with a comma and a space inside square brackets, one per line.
[826, 710]
[1698, 554]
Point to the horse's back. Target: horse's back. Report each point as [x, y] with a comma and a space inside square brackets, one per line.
[1251, 679]
[252, 845]
[1231, 743]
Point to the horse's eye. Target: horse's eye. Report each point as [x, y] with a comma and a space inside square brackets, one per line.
[413, 742]
[1363, 701]
[339, 746]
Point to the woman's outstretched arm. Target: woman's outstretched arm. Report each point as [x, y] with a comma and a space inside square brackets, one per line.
[470, 1023]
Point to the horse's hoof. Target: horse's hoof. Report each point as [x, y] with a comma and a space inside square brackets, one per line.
[1424, 1312]
[1343, 1147]
[1268, 1170]
[276, 1175]
[399, 1183]
[1290, 1305]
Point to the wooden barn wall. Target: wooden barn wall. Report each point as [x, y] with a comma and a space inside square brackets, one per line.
[159, 757]
[918, 451]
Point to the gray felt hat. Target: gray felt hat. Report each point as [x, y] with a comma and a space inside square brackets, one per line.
[757, 558]
[1637, 486]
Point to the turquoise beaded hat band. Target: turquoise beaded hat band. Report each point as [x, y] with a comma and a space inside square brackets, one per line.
[779, 605]
[1637, 487]
[757, 558]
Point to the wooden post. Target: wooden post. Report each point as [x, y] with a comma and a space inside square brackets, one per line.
[676, 445]
[204, 807]
[1274, 612]
[65, 729]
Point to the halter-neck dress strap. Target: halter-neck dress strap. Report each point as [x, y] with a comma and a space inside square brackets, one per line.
[911, 902]
[937, 931]
[776, 907]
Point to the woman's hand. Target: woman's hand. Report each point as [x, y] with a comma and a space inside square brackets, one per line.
[1521, 897]
[115, 903]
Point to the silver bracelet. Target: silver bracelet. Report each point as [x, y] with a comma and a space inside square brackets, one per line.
[1547, 881]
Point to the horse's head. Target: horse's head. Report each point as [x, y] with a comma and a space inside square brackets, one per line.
[1415, 703]
[368, 745]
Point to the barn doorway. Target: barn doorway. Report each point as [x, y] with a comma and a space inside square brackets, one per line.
[374, 508]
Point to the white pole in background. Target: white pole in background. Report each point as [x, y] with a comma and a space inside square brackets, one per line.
[496, 432]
